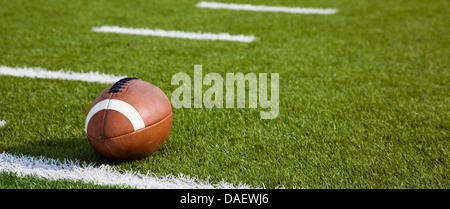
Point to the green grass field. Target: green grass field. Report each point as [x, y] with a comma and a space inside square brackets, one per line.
[364, 93]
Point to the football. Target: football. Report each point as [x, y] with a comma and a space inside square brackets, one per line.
[129, 120]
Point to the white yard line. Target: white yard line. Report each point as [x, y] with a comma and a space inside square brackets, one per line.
[37, 72]
[174, 34]
[263, 8]
[102, 175]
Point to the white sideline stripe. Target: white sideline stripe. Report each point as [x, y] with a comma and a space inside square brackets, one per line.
[37, 72]
[120, 106]
[2, 123]
[263, 8]
[53, 169]
[174, 34]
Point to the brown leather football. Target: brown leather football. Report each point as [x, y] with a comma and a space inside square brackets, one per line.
[129, 120]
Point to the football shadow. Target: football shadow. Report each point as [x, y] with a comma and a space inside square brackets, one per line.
[73, 149]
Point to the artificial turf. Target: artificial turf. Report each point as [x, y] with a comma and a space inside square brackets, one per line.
[364, 93]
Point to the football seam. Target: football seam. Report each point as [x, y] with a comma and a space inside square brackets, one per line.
[131, 133]
[104, 118]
